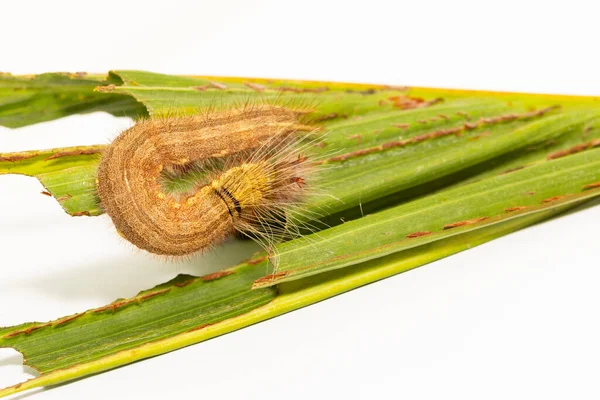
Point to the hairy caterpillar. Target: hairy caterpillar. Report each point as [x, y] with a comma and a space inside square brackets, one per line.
[252, 167]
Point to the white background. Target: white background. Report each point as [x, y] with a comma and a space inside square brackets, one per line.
[516, 318]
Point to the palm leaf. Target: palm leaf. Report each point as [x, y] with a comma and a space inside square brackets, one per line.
[437, 172]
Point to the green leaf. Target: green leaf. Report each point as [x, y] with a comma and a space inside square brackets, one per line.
[87, 333]
[441, 215]
[129, 323]
[484, 135]
[387, 172]
[68, 174]
[415, 160]
[26, 100]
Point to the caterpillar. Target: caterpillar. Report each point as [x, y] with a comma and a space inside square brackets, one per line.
[250, 169]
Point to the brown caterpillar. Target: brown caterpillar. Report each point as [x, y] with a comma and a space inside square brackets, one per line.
[253, 172]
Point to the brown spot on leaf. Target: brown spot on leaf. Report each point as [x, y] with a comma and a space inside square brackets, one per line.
[217, 85]
[81, 214]
[185, 283]
[357, 136]
[500, 118]
[256, 260]
[594, 185]
[115, 305]
[402, 126]
[541, 112]
[463, 223]
[551, 199]
[418, 234]
[112, 306]
[407, 102]
[217, 275]
[290, 89]
[435, 134]
[255, 86]
[481, 135]
[65, 197]
[514, 116]
[575, 149]
[326, 117]
[197, 328]
[72, 153]
[46, 193]
[508, 171]
[68, 319]
[271, 278]
[26, 331]
[464, 115]
[200, 88]
[17, 157]
[152, 294]
[513, 209]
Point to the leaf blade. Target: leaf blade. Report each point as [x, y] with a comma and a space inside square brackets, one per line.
[292, 295]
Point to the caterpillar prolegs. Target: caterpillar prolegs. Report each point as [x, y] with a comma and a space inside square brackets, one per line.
[252, 168]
